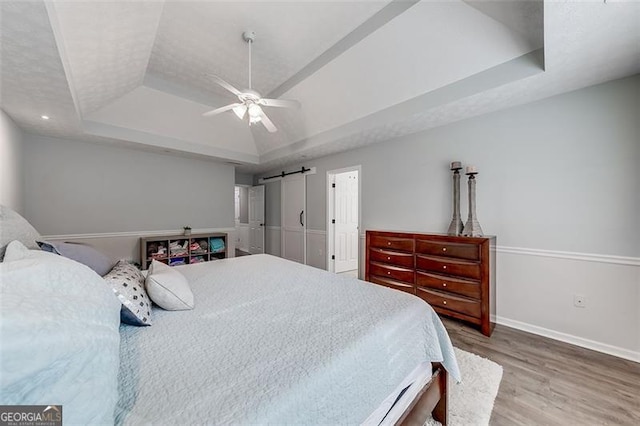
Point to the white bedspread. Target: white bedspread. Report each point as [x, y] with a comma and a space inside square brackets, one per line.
[272, 341]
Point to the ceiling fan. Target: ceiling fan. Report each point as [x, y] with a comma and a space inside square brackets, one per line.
[250, 102]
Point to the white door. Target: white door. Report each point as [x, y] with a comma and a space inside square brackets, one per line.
[346, 225]
[256, 219]
[294, 218]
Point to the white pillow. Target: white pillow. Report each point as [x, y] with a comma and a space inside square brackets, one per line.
[15, 227]
[168, 288]
[17, 251]
[60, 336]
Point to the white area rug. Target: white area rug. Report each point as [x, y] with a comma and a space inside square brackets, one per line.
[471, 401]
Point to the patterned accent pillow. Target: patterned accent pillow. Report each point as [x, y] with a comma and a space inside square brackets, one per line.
[127, 282]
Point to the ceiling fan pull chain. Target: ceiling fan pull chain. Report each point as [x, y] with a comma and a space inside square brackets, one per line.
[250, 43]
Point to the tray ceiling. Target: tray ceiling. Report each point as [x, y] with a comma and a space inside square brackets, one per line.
[365, 71]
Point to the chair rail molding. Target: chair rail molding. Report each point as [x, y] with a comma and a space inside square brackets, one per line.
[175, 232]
[586, 257]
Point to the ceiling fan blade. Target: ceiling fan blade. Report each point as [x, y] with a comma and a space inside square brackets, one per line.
[221, 109]
[268, 124]
[225, 85]
[280, 103]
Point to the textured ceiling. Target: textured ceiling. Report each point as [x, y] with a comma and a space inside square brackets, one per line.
[107, 45]
[197, 38]
[135, 72]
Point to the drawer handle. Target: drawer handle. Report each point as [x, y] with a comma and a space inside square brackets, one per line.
[444, 302]
[444, 267]
[388, 272]
[444, 284]
[444, 249]
[389, 243]
[388, 257]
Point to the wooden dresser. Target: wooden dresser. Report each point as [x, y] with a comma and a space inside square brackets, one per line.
[455, 275]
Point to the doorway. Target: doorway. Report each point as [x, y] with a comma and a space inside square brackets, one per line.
[249, 218]
[242, 219]
[343, 220]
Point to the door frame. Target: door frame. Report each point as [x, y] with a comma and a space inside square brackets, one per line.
[330, 207]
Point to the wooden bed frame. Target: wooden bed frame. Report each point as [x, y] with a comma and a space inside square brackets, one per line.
[431, 400]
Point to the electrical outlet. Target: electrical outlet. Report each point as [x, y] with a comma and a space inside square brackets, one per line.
[579, 301]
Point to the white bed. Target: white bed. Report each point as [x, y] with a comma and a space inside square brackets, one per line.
[272, 341]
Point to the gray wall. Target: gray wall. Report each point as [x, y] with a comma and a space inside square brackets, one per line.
[560, 174]
[244, 178]
[11, 163]
[76, 187]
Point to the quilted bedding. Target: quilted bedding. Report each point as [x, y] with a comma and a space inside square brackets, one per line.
[273, 341]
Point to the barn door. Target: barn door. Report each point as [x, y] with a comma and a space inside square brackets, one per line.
[293, 196]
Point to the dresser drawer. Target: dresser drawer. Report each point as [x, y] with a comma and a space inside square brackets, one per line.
[393, 243]
[454, 285]
[391, 257]
[442, 248]
[447, 266]
[394, 272]
[396, 285]
[451, 302]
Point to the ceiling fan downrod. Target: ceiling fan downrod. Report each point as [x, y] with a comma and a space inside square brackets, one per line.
[249, 37]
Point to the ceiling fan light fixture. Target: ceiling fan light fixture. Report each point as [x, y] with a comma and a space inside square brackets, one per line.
[254, 119]
[254, 111]
[240, 111]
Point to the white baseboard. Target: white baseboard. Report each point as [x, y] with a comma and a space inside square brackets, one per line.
[571, 339]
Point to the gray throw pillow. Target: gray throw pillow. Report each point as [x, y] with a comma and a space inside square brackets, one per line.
[81, 253]
[15, 227]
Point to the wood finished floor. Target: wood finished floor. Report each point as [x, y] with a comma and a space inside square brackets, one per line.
[546, 382]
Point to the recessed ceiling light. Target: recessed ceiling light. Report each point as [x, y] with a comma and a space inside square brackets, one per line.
[44, 117]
